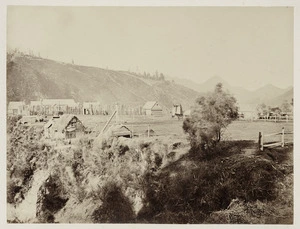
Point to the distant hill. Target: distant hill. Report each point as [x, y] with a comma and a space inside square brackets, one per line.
[33, 78]
[268, 94]
[288, 95]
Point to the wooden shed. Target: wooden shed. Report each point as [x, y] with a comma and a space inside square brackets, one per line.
[152, 108]
[120, 131]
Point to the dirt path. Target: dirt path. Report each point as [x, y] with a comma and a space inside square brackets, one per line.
[26, 210]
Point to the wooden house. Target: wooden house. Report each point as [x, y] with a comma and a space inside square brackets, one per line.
[152, 108]
[65, 127]
[247, 112]
[17, 108]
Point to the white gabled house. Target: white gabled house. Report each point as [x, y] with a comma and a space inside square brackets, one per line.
[152, 108]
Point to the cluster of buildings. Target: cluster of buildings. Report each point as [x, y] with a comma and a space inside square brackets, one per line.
[53, 107]
[43, 107]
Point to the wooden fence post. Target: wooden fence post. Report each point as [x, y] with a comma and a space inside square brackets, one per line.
[260, 141]
[282, 137]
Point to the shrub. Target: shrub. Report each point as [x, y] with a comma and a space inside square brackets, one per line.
[208, 186]
[12, 189]
[51, 198]
[211, 114]
[115, 208]
[12, 122]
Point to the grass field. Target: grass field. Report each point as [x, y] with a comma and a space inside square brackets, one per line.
[165, 126]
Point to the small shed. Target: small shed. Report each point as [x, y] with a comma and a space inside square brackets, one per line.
[152, 108]
[177, 110]
[64, 127]
[120, 131]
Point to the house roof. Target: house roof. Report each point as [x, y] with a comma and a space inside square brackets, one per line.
[52, 102]
[15, 105]
[149, 105]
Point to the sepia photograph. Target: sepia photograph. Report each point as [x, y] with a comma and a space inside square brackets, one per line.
[149, 115]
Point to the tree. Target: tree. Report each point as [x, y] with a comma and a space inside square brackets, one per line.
[161, 77]
[286, 106]
[262, 109]
[156, 75]
[210, 116]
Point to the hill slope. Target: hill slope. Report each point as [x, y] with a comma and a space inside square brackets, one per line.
[33, 78]
[268, 94]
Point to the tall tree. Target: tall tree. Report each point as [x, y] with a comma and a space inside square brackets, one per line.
[210, 116]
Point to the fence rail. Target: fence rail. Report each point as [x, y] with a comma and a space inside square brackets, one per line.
[262, 143]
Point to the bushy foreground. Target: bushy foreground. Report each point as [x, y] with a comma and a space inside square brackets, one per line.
[122, 180]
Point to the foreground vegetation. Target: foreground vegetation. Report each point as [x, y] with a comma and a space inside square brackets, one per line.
[149, 181]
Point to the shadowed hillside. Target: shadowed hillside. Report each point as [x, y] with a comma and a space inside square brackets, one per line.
[33, 78]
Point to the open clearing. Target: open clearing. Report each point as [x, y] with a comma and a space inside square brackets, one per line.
[165, 126]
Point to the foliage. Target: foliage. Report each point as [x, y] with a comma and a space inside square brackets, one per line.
[137, 180]
[115, 208]
[191, 195]
[262, 109]
[286, 106]
[211, 114]
[12, 122]
[51, 198]
[24, 153]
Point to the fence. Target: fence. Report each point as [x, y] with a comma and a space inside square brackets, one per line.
[279, 118]
[263, 143]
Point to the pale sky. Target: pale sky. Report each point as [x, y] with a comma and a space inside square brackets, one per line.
[248, 47]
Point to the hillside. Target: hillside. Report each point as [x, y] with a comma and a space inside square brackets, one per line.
[268, 94]
[33, 78]
[288, 95]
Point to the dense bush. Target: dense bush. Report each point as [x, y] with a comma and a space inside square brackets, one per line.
[11, 122]
[207, 186]
[51, 197]
[24, 153]
[211, 114]
[115, 207]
